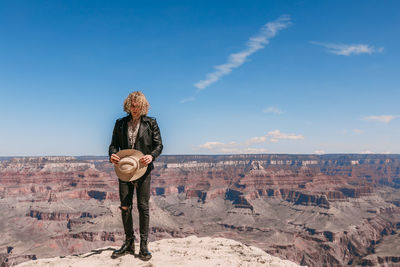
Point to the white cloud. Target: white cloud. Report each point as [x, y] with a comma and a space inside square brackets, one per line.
[367, 152]
[273, 110]
[276, 135]
[243, 150]
[358, 131]
[255, 43]
[254, 150]
[371, 152]
[319, 152]
[381, 118]
[228, 150]
[347, 50]
[243, 147]
[212, 145]
[256, 140]
[189, 99]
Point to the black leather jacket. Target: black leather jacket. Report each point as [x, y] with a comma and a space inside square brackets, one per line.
[148, 139]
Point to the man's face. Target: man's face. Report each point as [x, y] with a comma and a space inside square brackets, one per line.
[135, 111]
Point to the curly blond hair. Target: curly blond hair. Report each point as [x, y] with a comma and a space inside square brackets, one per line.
[139, 99]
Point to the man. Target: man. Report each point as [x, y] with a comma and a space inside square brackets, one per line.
[136, 131]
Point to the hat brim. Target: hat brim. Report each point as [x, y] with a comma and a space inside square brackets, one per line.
[139, 173]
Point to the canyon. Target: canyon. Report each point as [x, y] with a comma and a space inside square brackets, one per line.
[314, 210]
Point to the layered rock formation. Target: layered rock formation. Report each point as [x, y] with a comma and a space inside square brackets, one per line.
[314, 210]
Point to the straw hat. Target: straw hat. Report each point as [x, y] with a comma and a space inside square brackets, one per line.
[129, 168]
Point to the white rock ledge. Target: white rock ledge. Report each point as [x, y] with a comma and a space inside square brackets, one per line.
[190, 251]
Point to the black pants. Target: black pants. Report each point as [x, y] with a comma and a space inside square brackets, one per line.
[142, 195]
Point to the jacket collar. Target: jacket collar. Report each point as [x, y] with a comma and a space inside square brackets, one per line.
[142, 127]
[142, 118]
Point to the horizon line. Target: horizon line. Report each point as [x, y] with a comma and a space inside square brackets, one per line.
[238, 154]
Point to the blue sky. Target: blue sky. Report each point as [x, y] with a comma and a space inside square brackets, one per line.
[221, 76]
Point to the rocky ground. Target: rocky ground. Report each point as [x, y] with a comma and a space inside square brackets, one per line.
[190, 251]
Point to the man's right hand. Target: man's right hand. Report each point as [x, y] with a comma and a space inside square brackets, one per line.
[114, 159]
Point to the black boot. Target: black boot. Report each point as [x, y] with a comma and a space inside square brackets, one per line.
[127, 248]
[144, 253]
[129, 245]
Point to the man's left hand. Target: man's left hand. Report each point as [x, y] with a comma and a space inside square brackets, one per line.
[146, 159]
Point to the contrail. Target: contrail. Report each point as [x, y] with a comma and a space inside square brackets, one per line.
[255, 43]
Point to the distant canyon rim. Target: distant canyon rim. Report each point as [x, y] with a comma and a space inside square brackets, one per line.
[315, 210]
